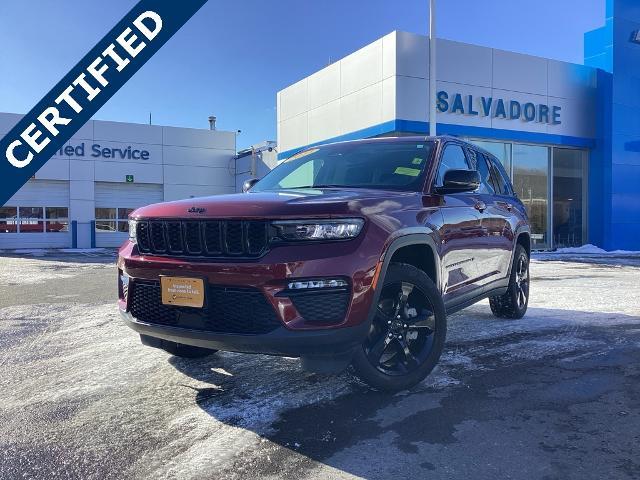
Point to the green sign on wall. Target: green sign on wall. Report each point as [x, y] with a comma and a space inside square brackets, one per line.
[129, 178]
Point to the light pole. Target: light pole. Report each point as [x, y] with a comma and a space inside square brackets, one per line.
[432, 67]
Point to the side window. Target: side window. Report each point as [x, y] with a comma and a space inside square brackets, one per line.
[499, 179]
[453, 158]
[486, 185]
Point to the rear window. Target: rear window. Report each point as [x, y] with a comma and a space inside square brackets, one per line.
[499, 177]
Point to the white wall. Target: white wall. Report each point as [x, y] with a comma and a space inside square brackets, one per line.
[388, 80]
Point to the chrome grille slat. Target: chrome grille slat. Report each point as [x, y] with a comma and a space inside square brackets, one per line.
[204, 238]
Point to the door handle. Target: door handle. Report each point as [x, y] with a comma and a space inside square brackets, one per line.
[506, 205]
[480, 206]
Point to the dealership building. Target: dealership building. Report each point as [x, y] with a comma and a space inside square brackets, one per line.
[568, 134]
[83, 195]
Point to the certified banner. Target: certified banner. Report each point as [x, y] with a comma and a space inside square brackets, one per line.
[86, 88]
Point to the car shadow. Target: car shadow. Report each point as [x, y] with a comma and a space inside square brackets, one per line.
[497, 382]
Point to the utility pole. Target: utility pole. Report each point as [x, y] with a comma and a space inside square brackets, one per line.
[432, 68]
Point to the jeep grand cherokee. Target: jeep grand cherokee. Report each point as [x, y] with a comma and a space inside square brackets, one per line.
[350, 253]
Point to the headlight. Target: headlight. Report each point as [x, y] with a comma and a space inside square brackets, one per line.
[132, 231]
[296, 230]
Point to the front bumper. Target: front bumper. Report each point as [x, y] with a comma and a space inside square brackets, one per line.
[282, 341]
[269, 277]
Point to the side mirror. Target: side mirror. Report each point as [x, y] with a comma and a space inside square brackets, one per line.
[248, 184]
[458, 181]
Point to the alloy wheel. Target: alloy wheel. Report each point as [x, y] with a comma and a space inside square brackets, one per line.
[403, 330]
[522, 281]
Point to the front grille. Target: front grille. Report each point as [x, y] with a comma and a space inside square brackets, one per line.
[227, 310]
[322, 307]
[203, 238]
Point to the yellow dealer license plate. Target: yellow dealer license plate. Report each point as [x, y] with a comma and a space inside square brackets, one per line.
[182, 292]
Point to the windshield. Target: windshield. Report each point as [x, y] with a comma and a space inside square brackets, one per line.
[382, 165]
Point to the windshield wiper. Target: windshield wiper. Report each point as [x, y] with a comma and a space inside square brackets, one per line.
[325, 185]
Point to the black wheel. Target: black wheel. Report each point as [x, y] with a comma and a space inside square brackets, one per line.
[407, 333]
[513, 304]
[185, 351]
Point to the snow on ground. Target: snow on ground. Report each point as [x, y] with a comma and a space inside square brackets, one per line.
[24, 270]
[82, 398]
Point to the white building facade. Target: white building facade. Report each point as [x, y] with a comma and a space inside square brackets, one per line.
[537, 115]
[82, 196]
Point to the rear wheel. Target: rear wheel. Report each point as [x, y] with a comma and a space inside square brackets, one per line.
[514, 303]
[407, 333]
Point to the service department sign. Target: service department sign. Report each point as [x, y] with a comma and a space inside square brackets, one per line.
[98, 151]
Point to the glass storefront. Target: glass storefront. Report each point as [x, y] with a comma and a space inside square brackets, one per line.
[563, 221]
[530, 181]
[569, 193]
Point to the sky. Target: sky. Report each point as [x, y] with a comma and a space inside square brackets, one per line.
[233, 56]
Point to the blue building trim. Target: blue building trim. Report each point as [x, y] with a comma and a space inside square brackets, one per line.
[74, 234]
[93, 233]
[614, 196]
[599, 206]
[411, 126]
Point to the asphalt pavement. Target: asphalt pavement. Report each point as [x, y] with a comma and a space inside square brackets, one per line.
[555, 395]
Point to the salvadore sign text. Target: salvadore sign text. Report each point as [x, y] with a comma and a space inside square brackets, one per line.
[458, 103]
[79, 95]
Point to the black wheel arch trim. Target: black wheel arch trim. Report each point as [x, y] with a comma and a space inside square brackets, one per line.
[521, 230]
[407, 237]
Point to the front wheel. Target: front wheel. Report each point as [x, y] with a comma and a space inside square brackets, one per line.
[407, 333]
[514, 303]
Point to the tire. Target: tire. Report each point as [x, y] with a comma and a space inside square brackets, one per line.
[185, 351]
[406, 352]
[514, 302]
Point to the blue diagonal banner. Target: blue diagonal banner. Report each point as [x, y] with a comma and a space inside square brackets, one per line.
[86, 88]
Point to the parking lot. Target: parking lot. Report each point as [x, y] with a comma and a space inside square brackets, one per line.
[555, 395]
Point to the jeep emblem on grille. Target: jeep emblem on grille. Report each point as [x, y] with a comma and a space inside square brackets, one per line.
[197, 210]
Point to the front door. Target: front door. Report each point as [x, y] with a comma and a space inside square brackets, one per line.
[495, 256]
[461, 233]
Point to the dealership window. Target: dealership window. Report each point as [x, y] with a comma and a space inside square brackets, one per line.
[569, 197]
[531, 184]
[8, 219]
[31, 220]
[113, 219]
[34, 219]
[552, 183]
[57, 219]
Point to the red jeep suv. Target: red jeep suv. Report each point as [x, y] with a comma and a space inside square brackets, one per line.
[351, 253]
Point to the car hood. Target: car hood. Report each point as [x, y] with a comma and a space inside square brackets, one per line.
[293, 203]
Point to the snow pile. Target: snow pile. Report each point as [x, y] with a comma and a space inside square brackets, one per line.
[590, 249]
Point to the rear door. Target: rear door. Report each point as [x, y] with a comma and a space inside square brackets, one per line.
[495, 222]
[461, 232]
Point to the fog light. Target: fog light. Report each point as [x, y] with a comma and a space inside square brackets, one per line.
[313, 284]
[124, 285]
